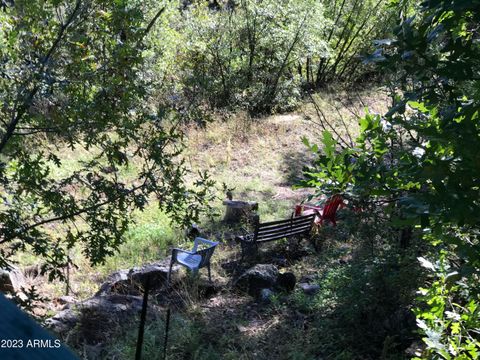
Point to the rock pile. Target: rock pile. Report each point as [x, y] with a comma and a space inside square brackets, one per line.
[118, 298]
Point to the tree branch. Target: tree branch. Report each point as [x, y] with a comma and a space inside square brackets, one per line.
[16, 116]
[68, 216]
[150, 25]
[341, 141]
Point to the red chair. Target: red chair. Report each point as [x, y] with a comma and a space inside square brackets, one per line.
[328, 212]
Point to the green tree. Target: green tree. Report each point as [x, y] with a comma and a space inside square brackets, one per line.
[74, 75]
[421, 161]
[350, 33]
[248, 55]
[262, 55]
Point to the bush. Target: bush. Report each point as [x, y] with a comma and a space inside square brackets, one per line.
[260, 56]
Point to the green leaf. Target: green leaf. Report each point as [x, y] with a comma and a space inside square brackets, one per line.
[328, 142]
[455, 328]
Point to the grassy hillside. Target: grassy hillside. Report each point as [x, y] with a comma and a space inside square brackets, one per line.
[261, 159]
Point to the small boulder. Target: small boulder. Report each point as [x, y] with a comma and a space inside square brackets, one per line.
[131, 281]
[116, 282]
[157, 272]
[63, 321]
[309, 289]
[66, 299]
[113, 304]
[11, 280]
[102, 309]
[255, 279]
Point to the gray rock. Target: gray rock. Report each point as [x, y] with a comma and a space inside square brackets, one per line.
[116, 282]
[255, 279]
[100, 307]
[309, 289]
[118, 298]
[63, 321]
[265, 296]
[66, 300]
[11, 280]
[157, 272]
[131, 281]
[113, 304]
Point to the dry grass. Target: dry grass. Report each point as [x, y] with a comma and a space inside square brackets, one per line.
[261, 159]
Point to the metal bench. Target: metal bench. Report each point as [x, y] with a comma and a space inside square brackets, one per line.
[194, 259]
[299, 226]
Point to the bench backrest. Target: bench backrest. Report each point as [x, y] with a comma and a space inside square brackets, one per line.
[275, 230]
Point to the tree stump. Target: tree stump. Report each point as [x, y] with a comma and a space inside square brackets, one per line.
[238, 211]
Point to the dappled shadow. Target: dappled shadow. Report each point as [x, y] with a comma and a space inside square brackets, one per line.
[362, 299]
[256, 330]
[191, 289]
[292, 165]
[371, 324]
[371, 311]
[282, 254]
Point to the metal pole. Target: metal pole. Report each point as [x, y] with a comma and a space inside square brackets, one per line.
[143, 316]
[165, 341]
[67, 289]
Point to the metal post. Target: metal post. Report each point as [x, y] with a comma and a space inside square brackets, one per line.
[165, 341]
[67, 288]
[143, 317]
